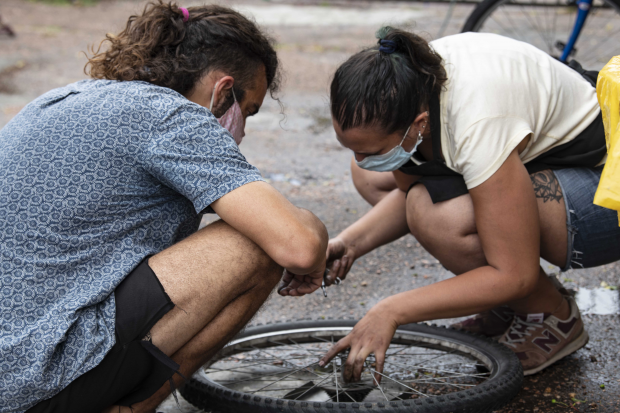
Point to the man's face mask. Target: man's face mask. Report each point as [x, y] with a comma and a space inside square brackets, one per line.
[232, 120]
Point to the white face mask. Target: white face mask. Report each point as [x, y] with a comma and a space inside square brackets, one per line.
[391, 160]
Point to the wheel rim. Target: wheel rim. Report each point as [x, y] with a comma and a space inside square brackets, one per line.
[547, 24]
[284, 365]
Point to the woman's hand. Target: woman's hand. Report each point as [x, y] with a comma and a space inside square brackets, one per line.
[371, 335]
[340, 258]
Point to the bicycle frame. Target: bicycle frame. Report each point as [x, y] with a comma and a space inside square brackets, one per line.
[582, 13]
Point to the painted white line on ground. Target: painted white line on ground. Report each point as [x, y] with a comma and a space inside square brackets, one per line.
[598, 301]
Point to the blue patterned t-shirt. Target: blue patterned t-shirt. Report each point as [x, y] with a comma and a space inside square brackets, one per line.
[94, 177]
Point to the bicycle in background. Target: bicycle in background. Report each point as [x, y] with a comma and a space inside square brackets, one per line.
[585, 30]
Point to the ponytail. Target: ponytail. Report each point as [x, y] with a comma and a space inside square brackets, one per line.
[172, 47]
[387, 85]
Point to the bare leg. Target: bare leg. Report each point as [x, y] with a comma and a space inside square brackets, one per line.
[218, 280]
[448, 231]
[372, 186]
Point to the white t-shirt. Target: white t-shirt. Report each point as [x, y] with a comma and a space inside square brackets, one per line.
[499, 91]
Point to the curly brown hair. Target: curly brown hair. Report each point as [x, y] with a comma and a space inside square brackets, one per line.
[158, 47]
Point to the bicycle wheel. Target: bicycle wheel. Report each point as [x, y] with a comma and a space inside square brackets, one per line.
[274, 368]
[547, 24]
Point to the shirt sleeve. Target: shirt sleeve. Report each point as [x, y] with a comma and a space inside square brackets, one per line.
[484, 147]
[194, 155]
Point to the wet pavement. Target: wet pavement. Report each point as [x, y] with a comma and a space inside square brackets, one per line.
[299, 155]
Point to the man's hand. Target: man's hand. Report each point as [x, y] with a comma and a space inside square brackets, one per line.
[371, 335]
[298, 285]
[340, 258]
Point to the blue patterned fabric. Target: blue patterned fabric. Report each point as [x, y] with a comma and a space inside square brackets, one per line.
[94, 177]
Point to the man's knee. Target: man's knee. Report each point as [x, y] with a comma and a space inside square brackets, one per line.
[216, 252]
[259, 261]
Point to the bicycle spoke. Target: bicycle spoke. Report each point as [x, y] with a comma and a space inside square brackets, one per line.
[436, 370]
[377, 383]
[313, 387]
[268, 374]
[398, 382]
[277, 381]
[532, 25]
[335, 375]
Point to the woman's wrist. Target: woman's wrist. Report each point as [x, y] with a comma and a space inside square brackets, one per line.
[394, 309]
[387, 310]
[353, 240]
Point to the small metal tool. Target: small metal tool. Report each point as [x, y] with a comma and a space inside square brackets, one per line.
[323, 283]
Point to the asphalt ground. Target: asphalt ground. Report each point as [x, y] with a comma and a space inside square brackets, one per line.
[298, 153]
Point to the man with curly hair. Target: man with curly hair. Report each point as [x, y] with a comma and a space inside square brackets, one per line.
[110, 295]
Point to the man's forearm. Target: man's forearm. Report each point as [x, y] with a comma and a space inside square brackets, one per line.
[316, 226]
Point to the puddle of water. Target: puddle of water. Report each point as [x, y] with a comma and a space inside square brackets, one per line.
[288, 15]
[598, 301]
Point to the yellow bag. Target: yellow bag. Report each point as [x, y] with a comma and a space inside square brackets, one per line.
[608, 92]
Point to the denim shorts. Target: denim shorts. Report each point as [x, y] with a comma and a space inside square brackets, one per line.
[593, 231]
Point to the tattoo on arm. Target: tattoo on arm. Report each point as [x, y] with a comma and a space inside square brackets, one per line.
[546, 186]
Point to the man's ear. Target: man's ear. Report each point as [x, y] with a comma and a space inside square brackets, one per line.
[222, 89]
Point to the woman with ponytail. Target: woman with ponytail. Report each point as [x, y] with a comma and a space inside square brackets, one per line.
[489, 152]
[111, 295]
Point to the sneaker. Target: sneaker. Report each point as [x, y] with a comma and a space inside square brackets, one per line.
[540, 340]
[492, 323]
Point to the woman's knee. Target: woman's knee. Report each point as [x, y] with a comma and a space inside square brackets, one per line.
[452, 217]
[372, 186]
[447, 229]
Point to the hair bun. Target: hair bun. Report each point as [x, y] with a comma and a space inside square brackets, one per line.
[387, 46]
[382, 33]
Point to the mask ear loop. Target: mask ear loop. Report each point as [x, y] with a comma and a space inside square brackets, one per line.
[404, 137]
[234, 97]
[213, 96]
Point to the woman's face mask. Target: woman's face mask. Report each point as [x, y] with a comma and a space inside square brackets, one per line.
[391, 160]
[232, 120]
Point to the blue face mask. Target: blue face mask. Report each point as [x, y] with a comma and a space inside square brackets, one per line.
[391, 160]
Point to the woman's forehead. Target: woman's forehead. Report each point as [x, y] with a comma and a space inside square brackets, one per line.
[360, 139]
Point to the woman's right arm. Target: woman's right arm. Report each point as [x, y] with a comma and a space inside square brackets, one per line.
[384, 223]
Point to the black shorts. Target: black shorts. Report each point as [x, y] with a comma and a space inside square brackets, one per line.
[134, 369]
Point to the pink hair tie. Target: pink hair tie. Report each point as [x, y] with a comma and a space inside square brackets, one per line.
[185, 14]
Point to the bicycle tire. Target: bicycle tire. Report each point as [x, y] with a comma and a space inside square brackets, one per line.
[590, 38]
[486, 397]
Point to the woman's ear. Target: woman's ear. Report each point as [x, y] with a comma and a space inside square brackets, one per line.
[421, 122]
